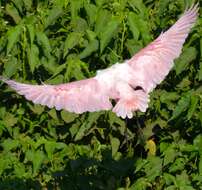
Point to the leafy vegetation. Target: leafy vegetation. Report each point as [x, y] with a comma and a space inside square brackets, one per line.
[57, 41]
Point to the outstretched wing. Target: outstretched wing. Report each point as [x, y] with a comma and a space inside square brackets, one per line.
[78, 97]
[153, 63]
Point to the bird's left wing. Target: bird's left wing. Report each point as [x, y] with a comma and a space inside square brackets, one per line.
[78, 97]
[153, 63]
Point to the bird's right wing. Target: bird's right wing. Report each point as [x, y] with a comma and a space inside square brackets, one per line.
[78, 97]
[152, 63]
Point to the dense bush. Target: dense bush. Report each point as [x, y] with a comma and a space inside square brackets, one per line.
[58, 41]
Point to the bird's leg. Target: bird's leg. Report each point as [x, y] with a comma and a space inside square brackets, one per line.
[126, 131]
[125, 141]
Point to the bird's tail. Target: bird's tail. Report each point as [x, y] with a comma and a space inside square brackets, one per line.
[126, 106]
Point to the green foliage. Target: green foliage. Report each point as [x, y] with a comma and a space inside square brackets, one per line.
[57, 41]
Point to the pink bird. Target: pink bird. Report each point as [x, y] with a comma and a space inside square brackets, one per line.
[119, 82]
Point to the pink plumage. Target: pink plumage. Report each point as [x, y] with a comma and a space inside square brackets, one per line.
[145, 69]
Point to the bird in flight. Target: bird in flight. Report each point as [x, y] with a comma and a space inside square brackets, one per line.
[128, 83]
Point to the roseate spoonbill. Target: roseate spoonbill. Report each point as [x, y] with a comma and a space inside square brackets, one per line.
[145, 69]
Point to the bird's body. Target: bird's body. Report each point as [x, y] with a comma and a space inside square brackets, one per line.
[146, 69]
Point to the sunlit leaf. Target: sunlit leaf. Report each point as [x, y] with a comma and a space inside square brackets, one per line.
[115, 145]
[151, 147]
[68, 117]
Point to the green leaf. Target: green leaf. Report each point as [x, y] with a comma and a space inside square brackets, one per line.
[115, 143]
[19, 5]
[36, 157]
[169, 178]
[153, 167]
[37, 160]
[68, 117]
[162, 6]
[43, 41]
[200, 68]
[99, 3]
[108, 32]
[75, 69]
[193, 106]
[198, 143]
[168, 96]
[33, 57]
[19, 169]
[13, 36]
[4, 164]
[169, 154]
[200, 165]
[28, 4]
[91, 47]
[133, 46]
[72, 40]
[74, 129]
[10, 144]
[178, 165]
[53, 15]
[79, 25]
[139, 26]
[91, 11]
[75, 7]
[92, 118]
[132, 22]
[31, 31]
[140, 184]
[11, 67]
[56, 79]
[12, 11]
[50, 147]
[10, 120]
[53, 114]
[182, 106]
[183, 181]
[183, 62]
[103, 16]
[36, 108]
